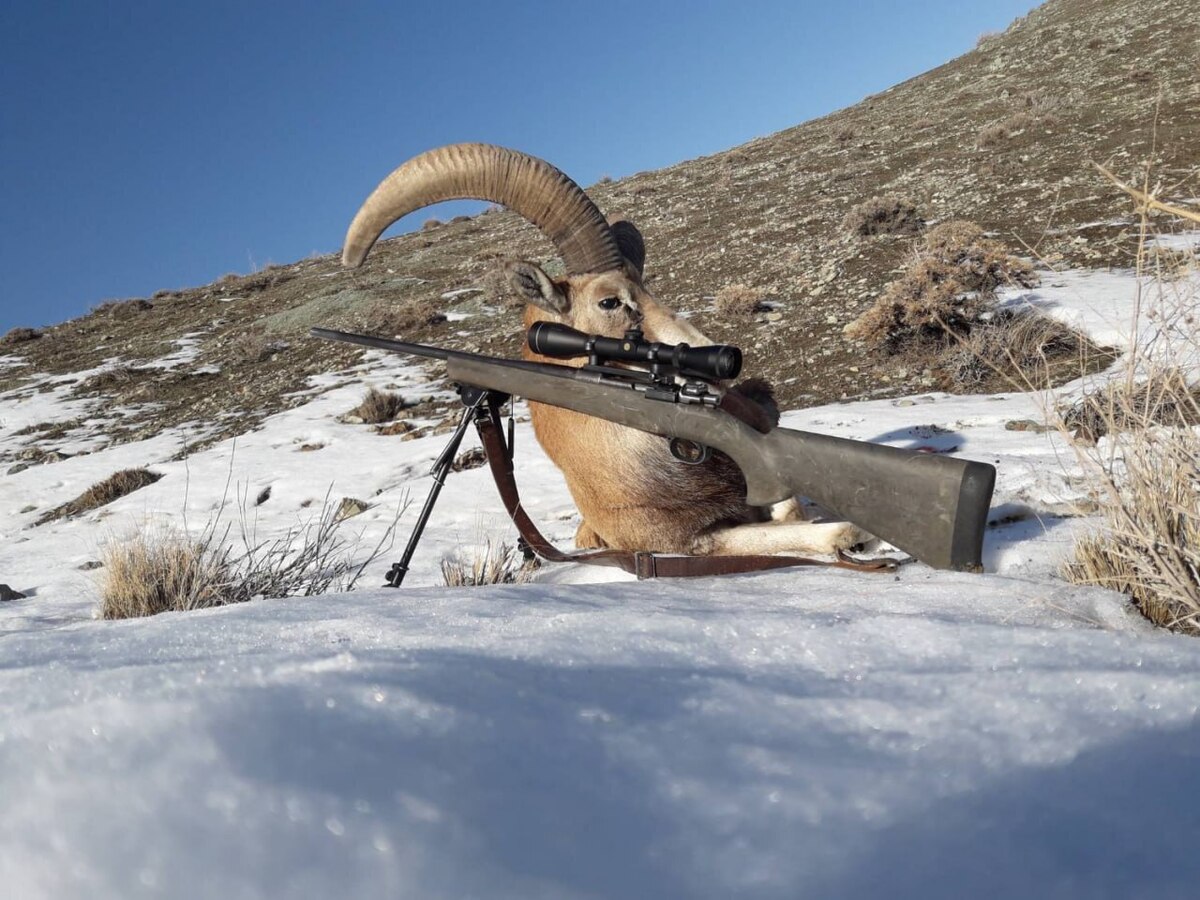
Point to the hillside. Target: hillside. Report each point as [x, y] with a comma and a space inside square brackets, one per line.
[1072, 81]
[578, 734]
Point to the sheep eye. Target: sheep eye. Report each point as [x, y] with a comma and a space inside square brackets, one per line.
[610, 303]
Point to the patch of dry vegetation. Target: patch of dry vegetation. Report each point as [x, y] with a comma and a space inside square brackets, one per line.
[1020, 348]
[19, 335]
[117, 376]
[393, 318]
[254, 346]
[148, 574]
[1145, 467]
[102, 493]
[943, 293]
[885, 214]
[123, 309]
[378, 407]
[737, 301]
[164, 570]
[489, 564]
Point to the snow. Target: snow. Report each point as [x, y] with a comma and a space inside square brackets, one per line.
[795, 733]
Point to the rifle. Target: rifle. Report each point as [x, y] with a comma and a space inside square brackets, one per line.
[932, 507]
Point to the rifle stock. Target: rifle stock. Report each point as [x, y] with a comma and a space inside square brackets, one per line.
[932, 507]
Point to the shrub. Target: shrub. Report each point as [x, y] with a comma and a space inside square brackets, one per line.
[253, 346]
[943, 292]
[489, 564]
[166, 571]
[1018, 348]
[149, 574]
[117, 376]
[886, 214]
[992, 135]
[1147, 471]
[737, 301]
[102, 493]
[19, 336]
[431, 224]
[378, 407]
[123, 309]
[398, 318]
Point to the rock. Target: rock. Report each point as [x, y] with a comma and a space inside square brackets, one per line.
[7, 593]
[470, 459]
[90, 565]
[349, 507]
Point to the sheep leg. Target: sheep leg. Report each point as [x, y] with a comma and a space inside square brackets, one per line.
[780, 537]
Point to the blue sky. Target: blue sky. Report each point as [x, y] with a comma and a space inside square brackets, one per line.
[148, 145]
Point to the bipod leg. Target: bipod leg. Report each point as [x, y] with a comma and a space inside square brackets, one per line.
[474, 400]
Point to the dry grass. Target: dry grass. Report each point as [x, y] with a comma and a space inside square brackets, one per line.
[164, 570]
[944, 292]
[398, 318]
[1148, 545]
[1146, 466]
[123, 309]
[253, 346]
[886, 214]
[102, 493]
[117, 376]
[737, 301]
[488, 564]
[378, 407]
[19, 335]
[152, 573]
[1018, 349]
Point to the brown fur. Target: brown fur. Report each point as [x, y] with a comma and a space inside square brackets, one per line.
[632, 494]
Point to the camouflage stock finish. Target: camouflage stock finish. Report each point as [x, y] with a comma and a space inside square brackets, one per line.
[932, 507]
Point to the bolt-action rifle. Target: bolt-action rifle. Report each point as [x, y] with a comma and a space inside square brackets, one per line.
[930, 506]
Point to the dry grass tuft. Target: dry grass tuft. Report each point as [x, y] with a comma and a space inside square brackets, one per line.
[737, 301]
[1145, 467]
[489, 564]
[1017, 348]
[166, 571]
[19, 335]
[123, 309]
[886, 214]
[945, 291]
[102, 493]
[253, 346]
[117, 376]
[149, 574]
[1165, 397]
[378, 407]
[398, 318]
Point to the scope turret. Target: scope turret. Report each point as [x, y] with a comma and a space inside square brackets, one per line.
[715, 363]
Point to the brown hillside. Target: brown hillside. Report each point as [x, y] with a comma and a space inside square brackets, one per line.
[1001, 136]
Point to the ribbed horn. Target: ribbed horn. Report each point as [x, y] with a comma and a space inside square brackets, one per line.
[631, 243]
[527, 185]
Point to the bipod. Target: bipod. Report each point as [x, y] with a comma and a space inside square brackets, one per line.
[480, 404]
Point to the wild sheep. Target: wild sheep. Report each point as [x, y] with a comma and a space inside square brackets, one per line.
[631, 492]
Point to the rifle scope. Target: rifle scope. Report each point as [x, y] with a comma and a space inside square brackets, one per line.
[716, 363]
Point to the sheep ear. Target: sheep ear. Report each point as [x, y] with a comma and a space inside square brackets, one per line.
[534, 286]
[631, 244]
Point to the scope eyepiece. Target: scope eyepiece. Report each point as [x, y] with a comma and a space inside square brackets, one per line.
[716, 363]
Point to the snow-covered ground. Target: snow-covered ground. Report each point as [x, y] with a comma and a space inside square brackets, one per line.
[797, 733]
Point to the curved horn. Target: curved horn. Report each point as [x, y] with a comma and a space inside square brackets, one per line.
[527, 185]
[631, 243]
